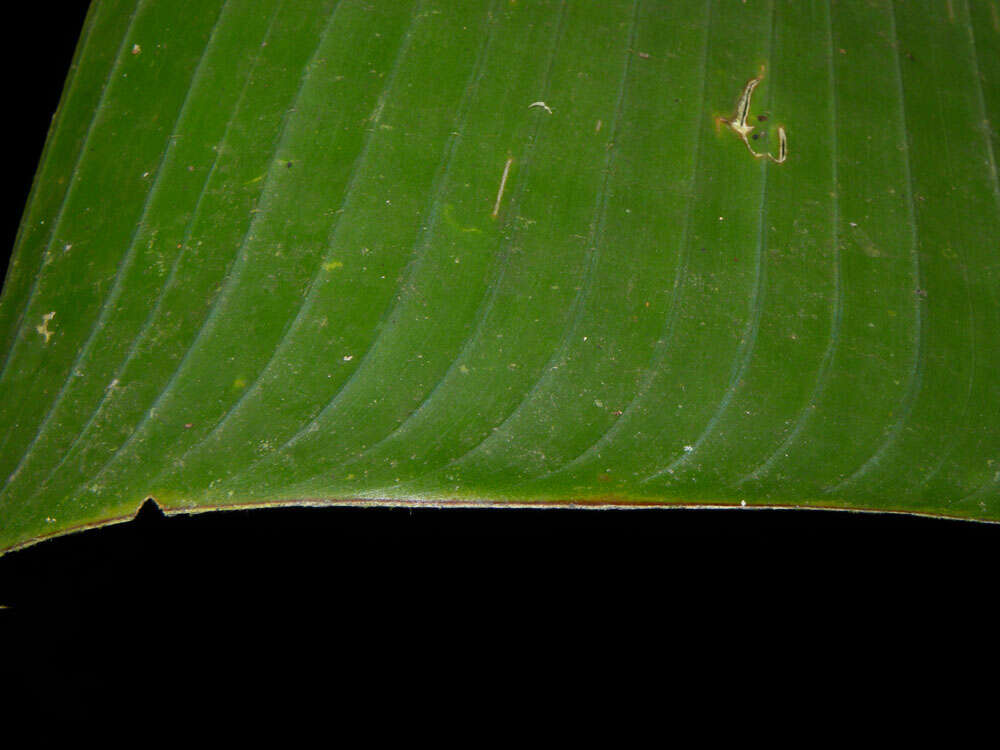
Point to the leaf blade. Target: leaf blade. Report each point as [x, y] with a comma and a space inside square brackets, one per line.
[476, 252]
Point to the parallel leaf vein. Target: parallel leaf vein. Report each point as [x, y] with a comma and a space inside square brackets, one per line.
[420, 245]
[491, 294]
[915, 378]
[748, 340]
[172, 275]
[313, 286]
[594, 244]
[57, 222]
[239, 263]
[666, 335]
[838, 292]
[127, 258]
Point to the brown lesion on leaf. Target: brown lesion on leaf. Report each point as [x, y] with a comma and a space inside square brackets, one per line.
[738, 123]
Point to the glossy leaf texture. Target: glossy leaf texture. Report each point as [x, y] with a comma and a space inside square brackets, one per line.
[510, 252]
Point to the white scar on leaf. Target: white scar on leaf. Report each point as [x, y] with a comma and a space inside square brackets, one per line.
[43, 329]
[738, 124]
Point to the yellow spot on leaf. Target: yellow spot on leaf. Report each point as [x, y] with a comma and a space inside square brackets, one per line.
[43, 329]
[449, 217]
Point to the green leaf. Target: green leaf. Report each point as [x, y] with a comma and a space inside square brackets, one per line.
[510, 252]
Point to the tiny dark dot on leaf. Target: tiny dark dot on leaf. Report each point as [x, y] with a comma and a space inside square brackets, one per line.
[761, 118]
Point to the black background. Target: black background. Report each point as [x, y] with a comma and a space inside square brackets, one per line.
[393, 571]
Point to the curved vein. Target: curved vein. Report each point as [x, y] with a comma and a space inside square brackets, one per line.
[490, 295]
[421, 245]
[6, 275]
[172, 275]
[313, 285]
[119, 56]
[838, 303]
[917, 370]
[951, 444]
[126, 262]
[745, 351]
[981, 100]
[663, 343]
[230, 279]
[593, 256]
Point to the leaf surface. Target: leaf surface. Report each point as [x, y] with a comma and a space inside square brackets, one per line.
[510, 252]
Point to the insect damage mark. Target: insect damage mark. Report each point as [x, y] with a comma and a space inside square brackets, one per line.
[782, 146]
[739, 122]
[43, 329]
[739, 125]
[503, 185]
